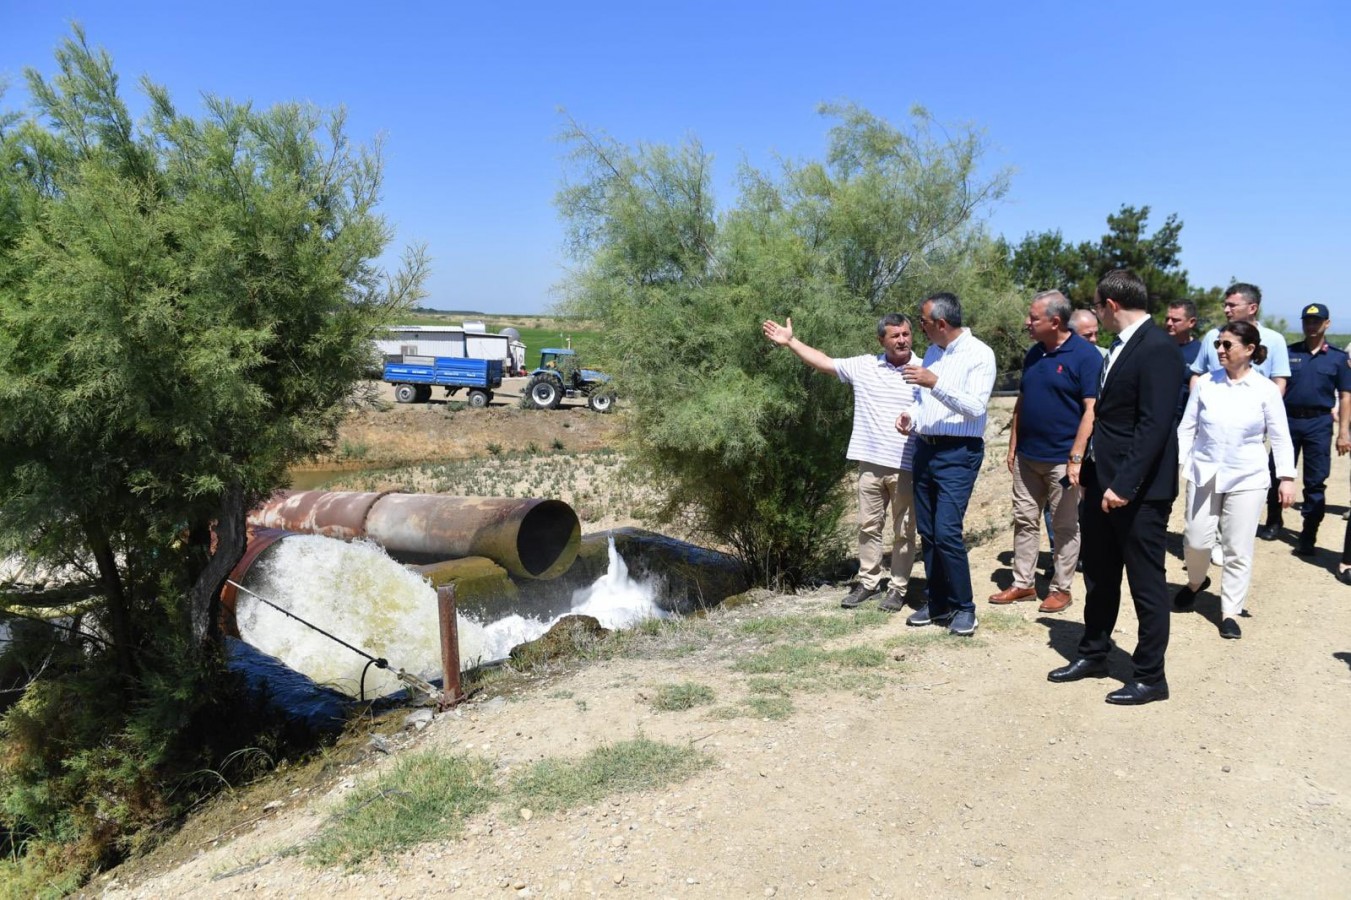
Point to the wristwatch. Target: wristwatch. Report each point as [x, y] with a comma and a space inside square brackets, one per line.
[1076, 457]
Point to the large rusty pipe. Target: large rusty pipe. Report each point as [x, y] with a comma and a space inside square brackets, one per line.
[530, 538]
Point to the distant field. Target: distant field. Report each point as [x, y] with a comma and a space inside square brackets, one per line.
[537, 331]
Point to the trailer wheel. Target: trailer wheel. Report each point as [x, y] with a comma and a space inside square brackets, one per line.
[478, 399]
[424, 393]
[544, 392]
[601, 403]
[405, 393]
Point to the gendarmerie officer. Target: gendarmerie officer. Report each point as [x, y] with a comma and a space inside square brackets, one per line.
[1320, 380]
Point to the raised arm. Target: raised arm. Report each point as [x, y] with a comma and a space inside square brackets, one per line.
[783, 336]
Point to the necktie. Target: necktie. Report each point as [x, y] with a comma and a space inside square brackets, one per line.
[1107, 363]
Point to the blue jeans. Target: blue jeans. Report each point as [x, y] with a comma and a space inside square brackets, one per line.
[945, 474]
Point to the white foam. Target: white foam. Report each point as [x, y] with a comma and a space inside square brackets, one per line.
[358, 594]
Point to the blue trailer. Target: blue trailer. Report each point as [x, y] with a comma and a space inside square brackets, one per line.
[414, 378]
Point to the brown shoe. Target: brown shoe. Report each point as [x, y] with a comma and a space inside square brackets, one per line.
[1013, 595]
[1056, 601]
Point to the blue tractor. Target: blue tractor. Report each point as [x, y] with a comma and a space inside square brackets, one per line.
[560, 375]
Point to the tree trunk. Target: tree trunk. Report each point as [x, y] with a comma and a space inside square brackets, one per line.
[121, 629]
[231, 537]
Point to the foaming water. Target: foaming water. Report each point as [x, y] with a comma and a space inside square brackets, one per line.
[615, 599]
[357, 593]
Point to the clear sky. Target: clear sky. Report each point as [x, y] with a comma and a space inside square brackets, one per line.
[1235, 115]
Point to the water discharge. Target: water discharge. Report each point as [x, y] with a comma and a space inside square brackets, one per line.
[357, 593]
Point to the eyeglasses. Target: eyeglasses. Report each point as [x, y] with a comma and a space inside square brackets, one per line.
[1227, 345]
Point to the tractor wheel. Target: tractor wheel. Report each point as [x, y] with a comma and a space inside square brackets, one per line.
[424, 393]
[405, 393]
[544, 392]
[601, 403]
[478, 399]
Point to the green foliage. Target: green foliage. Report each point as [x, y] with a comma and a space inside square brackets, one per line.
[635, 765]
[1047, 261]
[424, 796]
[186, 306]
[682, 696]
[748, 442]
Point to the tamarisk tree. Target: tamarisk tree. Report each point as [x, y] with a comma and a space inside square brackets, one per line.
[748, 444]
[186, 308]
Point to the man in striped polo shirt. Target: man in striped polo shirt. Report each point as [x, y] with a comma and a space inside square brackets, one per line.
[949, 423]
[883, 455]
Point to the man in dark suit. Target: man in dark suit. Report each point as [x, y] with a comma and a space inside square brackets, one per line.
[1129, 481]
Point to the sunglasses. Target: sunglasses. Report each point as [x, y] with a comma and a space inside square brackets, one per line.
[1227, 345]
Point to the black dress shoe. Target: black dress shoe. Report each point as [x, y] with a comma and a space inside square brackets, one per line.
[1185, 596]
[1229, 629]
[1077, 670]
[1304, 548]
[1136, 693]
[1268, 532]
[1344, 576]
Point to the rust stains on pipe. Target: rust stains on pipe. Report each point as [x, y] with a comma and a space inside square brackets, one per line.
[260, 539]
[529, 538]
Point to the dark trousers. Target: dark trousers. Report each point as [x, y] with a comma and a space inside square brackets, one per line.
[1313, 438]
[1133, 536]
[945, 474]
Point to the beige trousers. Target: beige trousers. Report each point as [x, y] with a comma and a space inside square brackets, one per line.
[1036, 484]
[1235, 516]
[880, 488]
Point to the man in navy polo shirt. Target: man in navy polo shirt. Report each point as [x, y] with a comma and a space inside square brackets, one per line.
[1061, 373]
[1180, 323]
[1319, 381]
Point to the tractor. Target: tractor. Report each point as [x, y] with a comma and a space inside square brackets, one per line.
[560, 375]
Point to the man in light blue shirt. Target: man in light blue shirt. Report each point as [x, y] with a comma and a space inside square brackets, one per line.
[1242, 303]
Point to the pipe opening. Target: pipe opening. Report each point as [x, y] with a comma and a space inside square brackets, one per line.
[546, 533]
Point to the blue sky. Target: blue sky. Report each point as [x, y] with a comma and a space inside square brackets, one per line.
[1233, 115]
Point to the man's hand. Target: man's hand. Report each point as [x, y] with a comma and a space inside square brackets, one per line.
[1012, 461]
[1286, 493]
[1343, 444]
[1072, 471]
[1111, 501]
[778, 334]
[904, 423]
[919, 375]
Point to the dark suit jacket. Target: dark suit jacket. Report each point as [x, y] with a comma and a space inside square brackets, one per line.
[1134, 440]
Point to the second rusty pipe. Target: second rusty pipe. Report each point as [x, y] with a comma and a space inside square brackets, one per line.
[530, 538]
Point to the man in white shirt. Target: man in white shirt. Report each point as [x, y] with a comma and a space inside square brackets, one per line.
[949, 423]
[883, 455]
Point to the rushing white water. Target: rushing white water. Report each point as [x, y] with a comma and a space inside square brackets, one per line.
[355, 592]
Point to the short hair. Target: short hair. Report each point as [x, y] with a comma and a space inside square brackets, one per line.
[1188, 308]
[946, 306]
[1248, 333]
[1125, 287]
[1058, 305]
[1080, 314]
[1251, 291]
[893, 320]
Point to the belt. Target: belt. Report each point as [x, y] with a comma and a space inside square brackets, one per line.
[945, 440]
[1307, 412]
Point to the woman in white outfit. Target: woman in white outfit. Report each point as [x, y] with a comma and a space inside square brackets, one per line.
[1225, 463]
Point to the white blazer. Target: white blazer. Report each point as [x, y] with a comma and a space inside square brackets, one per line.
[1221, 434]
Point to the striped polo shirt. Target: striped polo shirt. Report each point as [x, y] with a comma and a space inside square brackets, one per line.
[955, 406]
[880, 395]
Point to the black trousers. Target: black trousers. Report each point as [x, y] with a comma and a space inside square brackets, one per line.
[1133, 537]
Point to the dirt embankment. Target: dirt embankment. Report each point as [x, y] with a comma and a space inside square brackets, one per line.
[960, 771]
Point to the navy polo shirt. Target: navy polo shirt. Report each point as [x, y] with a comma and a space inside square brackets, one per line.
[1190, 351]
[1055, 385]
[1315, 378]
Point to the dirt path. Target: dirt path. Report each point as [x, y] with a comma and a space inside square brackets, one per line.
[966, 773]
